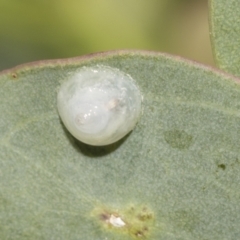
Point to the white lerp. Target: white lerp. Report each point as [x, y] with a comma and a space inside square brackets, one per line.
[99, 105]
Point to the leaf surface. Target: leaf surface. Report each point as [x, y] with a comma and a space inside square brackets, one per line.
[176, 176]
[225, 34]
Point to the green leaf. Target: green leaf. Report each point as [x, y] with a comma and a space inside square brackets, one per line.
[225, 34]
[176, 176]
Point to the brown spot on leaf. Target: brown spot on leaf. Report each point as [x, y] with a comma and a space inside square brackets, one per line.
[139, 234]
[104, 217]
[14, 75]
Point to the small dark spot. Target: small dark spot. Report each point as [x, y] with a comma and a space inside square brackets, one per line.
[14, 75]
[222, 166]
[178, 139]
[139, 234]
[145, 229]
[131, 209]
[145, 217]
[104, 216]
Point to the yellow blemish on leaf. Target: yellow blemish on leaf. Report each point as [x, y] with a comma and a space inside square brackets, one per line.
[136, 221]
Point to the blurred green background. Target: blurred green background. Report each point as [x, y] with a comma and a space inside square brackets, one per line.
[33, 30]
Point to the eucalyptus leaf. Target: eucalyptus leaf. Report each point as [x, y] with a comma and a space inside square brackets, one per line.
[225, 34]
[175, 176]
